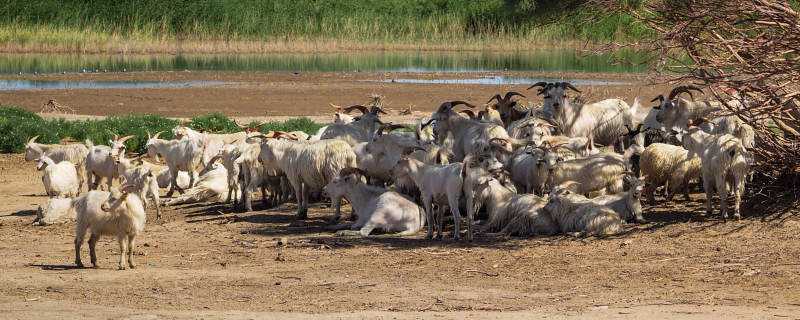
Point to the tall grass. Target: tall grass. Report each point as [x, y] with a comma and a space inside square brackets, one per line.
[17, 126]
[78, 25]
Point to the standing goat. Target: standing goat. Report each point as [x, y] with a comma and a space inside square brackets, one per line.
[119, 213]
[469, 135]
[724, 165]
[309, 166]
[440, 183]
[180, 155]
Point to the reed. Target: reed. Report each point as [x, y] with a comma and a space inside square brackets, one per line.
[151, 26]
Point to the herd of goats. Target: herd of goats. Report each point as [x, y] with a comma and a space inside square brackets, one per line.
[563, 167]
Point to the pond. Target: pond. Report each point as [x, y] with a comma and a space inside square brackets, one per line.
[500, 80]
[11, 85]
[539, 60]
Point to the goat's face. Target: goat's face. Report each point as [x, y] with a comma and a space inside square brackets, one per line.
[666, 112]
[339, 185]
[115, 200]
[32, 151]
[152, 151]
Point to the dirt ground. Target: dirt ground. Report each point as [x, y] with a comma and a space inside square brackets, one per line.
[208, 261]
[277, 95]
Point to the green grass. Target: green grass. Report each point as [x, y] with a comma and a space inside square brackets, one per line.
[17, 126]
[76, 24]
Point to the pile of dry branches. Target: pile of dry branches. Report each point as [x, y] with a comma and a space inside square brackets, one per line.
[737, 50]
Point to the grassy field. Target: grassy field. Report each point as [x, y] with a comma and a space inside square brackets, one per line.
[18, 125]
[151, 26]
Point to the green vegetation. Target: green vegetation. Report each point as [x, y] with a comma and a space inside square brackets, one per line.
[102, 24]
[18, 125]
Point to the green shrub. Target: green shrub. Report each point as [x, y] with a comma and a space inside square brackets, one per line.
[18, 125]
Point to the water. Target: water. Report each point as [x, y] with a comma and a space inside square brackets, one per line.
[499, 80]
[10, 85]
[540, 60]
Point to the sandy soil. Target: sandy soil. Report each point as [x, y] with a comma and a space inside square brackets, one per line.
[277, 95]
[209, 261]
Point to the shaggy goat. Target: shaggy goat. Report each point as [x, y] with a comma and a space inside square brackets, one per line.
[180, 155]
[670, 166]
[575, 213]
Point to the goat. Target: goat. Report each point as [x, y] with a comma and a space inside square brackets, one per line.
[440, 183]
[469, 135]
[75, 153]
[212, 185]
[60, 179]
[120, 213]
[180, 155]
[55, 210]
[507, 108]
[574, 213]
[308, 166]
[670, 166]
[597, 173]
[377, 207]
[724, 165]
[604, 120]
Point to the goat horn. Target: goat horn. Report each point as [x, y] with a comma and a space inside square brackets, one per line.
[427, 123]
[337, 107]
[32, 140]
[511, 94]
[568, 85]
[390, 126]
[538, 84]
[495, 97]
[659, 98]
[376, 109]
[125, 138]
[157, 134]
[453, 104]
[469, 113]
[409, 150]
[684, 89]
[358, 107]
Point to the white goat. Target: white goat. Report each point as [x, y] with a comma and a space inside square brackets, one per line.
[101, 161]
[724, 165]
[574, 213]
[628, 204]
[308, 166]
[75, 153]
[440, 183]
[469, 135]
[601, 173]
[212, 185]
[54, 210]
[377, 207]
[515, 214]
[60, 179]
[119, 213]
[180, 155]
[604, 120]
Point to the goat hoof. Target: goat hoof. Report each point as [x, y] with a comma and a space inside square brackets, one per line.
[121, 267]
[132, 266]
[737, 216]
[78, 264]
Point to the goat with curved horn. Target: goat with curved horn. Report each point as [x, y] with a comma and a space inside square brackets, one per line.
[471, 114]
[659, 98]
[358, 107]
[567, 85]
[511, 94]
[684, 89]
[538, 84]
